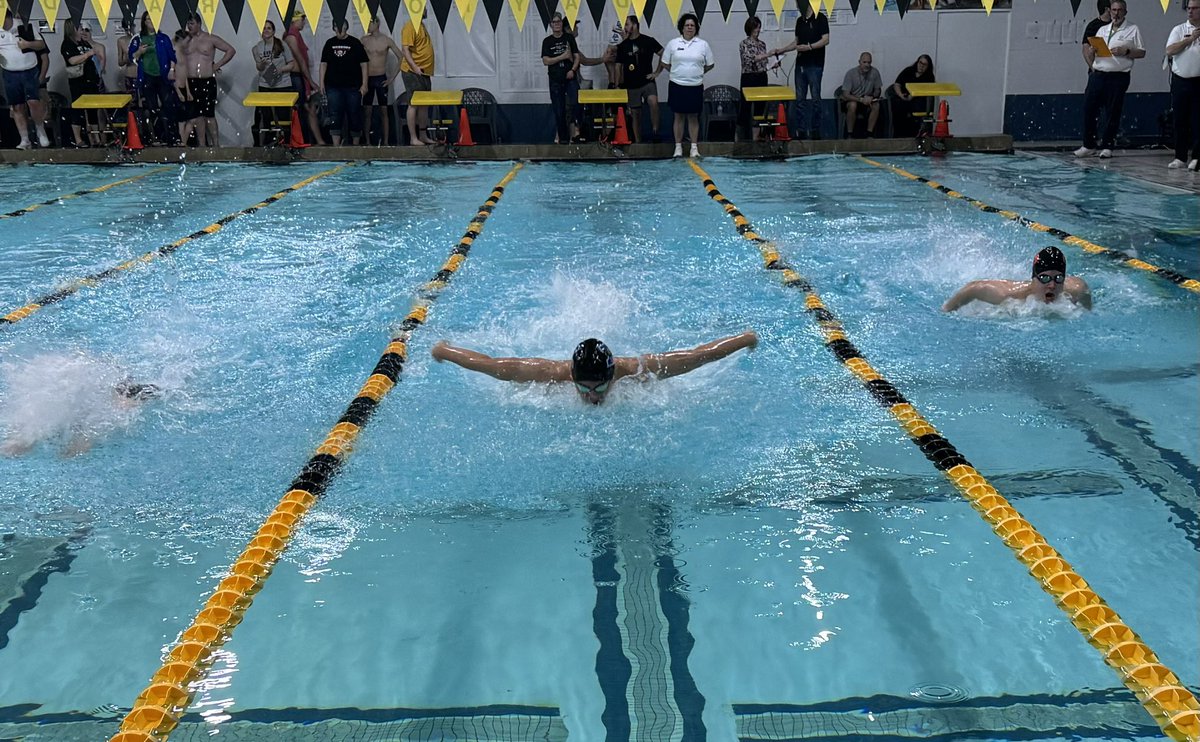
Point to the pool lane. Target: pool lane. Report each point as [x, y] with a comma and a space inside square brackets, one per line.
[1161, 693]
[73, 287]
[76, 194]
[1066, 238]
[158, 709]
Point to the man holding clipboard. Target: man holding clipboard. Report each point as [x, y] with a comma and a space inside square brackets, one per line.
[1109, 78]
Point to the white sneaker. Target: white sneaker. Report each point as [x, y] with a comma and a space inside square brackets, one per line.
[1084, 152]
[678, 151]
[1105, 154]
[43, 140]
[24, 144]
[695, 151]
[1194, 165]
[1176, 164]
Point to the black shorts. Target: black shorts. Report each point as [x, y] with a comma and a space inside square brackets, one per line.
[377, 90]
[204, 93]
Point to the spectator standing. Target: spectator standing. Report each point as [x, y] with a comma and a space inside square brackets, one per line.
[344, 81]
[377, 46]
[275, 64]
[753, 53]
[812, 36]
[1183, 56]
[1103, 18]
[154, 54]
[589, 78]
[861, 89]
[416, 70]
[560, 55]
[178, 104]
[636, 71]
[687, 59]
[303, 81]
[905, 107]
[19, 60]
[1109, 80]
[100, 60]
[127, 67]
[202, 69]
[82, 77]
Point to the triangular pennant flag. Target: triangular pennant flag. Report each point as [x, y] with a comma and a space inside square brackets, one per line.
[25, 8]
[129, 10]
[698, 7]
[596, 7]
[854, 6]
[545, 9]
[282, 7]
[181, 8]
[373, 8]
[1075, 6]
[441, 11]
[234, 9]
[751, 8]
[726, 6]
[208, 11]
[362, 11]
[829, 6]
[494, 8]
[156, 8]
[1165, 3]
[259, 9]
[50, 8]
[639, 7]
[519, 8]
[648, 12]
[777, 6]
[75, 10]
[933, 4]
[390, 9]
[816, 5]
[102, 8]
[879, 5]
[339, 9]
[466, 10]
[987, 5]
[312, 9]
[571, 11]
[673, 7]
[416, 11]
[902, 6]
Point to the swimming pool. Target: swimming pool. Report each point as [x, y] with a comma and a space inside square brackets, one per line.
[751, 551]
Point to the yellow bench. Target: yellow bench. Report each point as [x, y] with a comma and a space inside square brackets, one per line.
[273, 124]
[104, 127]
[606, 99]
[933, 91]
[439, 123]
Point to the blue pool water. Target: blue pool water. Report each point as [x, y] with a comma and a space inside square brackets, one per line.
[750, 551]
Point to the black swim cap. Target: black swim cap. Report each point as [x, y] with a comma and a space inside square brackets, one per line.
[134, 390]
[1049, 259]
[593, 361]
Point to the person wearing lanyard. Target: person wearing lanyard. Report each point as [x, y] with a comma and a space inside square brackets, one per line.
[1109, 80]
[687, 59]
[1183, 56]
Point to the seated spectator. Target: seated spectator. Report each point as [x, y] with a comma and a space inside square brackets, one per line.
[154, 54]
[344, 81]
[82, 77]
[275, 64]
[635, 73]
[753, 53]
[905, 108]
[861, 89]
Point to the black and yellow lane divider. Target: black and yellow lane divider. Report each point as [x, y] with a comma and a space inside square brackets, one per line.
[1067, 238]
[157, 710]
[1158, 689]
[77, 194]
[74, 286]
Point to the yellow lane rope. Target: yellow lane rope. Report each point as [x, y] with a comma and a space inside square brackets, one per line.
[157, 710]
[77, 194]
[54, 297]
[1190, 284]
[1159, 690]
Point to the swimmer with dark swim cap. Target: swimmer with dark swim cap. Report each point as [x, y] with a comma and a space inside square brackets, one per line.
[593, 369]
[1049, 282]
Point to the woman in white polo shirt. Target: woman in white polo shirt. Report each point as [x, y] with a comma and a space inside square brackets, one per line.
[687, 58]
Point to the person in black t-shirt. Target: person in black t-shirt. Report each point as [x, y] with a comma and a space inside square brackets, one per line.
[561, 56]
[812, 36]
[635, 64]
[82, 76]
[905, 107]
[1089, 52]
[344, 80]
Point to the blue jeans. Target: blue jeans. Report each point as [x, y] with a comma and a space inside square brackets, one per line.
[562, 93]
[807, 116]
[345, 102]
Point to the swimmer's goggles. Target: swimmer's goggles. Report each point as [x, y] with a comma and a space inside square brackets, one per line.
[600, 388]
[1043, 278]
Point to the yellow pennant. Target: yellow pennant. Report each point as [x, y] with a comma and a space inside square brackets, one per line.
[571, 11]
[987, 5]
[155, 8]
[312, 9]
[416, 11]
[259, 9]
[364, 13]
[1165, 4]
[673, 7]
[829, 6]
[50, 8]
[879, 5]
[778, 6]
[466, 10]
[208, 12]
[622, 8]
[519, 8]
[281, 6]
[102, 7]
[933, 4]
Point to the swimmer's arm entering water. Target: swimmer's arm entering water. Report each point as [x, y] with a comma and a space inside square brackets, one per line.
[993, 292]
[505, 369]
[678, 362]
[1077, 289]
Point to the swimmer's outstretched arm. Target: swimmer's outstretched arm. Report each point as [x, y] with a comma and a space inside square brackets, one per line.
[678, 362]
[988, 291]
[505, 369]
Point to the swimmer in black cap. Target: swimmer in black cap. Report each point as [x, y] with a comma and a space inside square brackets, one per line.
[592, 367]
[1049, 281]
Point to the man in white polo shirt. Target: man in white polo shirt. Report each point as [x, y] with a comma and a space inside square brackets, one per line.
[1183, 56]
[1109, 80]
[20, 62]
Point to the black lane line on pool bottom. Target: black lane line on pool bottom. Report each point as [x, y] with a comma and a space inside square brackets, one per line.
[1067, 238]
[77, 194]
[31, 589]
[54, 297]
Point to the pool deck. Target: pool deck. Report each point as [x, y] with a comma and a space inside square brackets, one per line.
[1144, 164]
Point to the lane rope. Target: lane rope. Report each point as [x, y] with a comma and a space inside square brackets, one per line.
[1067, 238]
[158, 708]
[1159, 690]
[74, 286]
[77, 194]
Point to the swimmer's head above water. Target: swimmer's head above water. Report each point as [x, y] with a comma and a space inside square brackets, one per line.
[592, 369]
[130, 389]
[1048, 283]
[1050, 272]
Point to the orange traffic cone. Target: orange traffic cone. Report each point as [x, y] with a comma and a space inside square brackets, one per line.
[621, 134]
[464, 129]
[133, 140]
[781, 127]
[296, 137]
[941, 128]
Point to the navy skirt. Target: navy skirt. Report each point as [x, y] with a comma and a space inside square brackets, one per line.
[685, 98]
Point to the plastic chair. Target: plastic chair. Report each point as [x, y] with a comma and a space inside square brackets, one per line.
[883, 125]
[721, 104]
[481, 111]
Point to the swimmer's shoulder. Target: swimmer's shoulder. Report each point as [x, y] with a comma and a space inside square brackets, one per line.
[629, 366]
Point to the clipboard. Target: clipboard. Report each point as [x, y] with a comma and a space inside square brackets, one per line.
[1100, 46]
